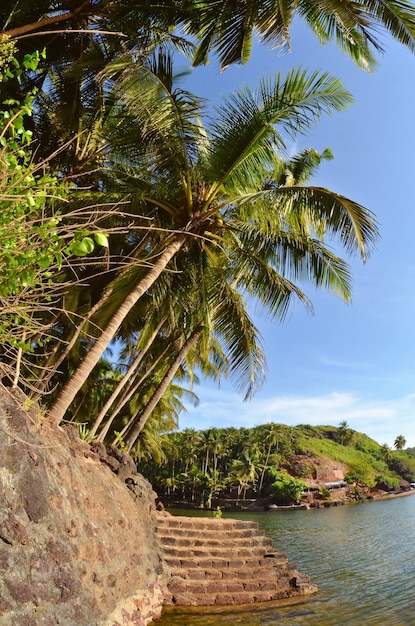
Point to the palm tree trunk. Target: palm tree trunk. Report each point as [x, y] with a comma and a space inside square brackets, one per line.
[138, 427]
[238, 494]
[124, 380]
[35, 26]
[125, 398]
[264, 469]
[68, 393]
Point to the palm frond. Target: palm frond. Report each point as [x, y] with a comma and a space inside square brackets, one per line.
[227, 28]
[319, 210]
[356, 25]
[244, 134]
[240, 338]
[286, 259]
[313, 211]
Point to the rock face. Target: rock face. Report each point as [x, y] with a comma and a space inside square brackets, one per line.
[77, 544]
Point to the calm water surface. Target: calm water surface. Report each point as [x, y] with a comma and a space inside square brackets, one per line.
[361, 557]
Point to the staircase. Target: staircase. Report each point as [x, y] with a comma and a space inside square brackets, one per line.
[224, 562]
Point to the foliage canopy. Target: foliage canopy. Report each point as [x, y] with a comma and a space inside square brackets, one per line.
[131, 218]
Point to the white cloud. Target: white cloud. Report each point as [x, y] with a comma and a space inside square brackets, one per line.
[381, 420]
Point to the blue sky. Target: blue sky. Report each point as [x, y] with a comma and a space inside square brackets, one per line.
[352, 362]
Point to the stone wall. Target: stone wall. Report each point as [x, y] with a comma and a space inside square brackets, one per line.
[77, 544]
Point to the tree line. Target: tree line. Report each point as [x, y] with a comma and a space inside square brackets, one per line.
[138, 220]
[270, 461]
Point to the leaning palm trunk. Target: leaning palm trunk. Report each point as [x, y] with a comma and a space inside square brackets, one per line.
[126, 397]
[148, 409]
[264, 469]
[68, 393]
[39, 25]
[124, 380]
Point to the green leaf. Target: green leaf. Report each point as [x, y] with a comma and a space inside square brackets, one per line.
[101, 239]
[83, 247]
[45, 261]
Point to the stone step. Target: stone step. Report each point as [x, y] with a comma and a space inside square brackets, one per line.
[243, 538]
[253, 573]
[236, 563]
[212, 587]
[273, 557]
[249, 552]
[224, 562]
[235, 533]
[204, 523]
[228, 599]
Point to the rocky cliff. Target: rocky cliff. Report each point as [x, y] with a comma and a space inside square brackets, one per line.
[77, 541]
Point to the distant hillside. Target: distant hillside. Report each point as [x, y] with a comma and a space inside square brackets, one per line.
[275, 463]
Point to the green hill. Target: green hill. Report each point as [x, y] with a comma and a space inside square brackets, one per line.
[274, 462]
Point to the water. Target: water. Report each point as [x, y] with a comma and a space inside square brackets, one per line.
[361, 557]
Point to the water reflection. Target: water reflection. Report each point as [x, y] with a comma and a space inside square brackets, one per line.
[361, 557]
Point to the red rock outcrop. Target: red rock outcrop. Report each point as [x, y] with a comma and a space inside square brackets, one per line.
[77, 544]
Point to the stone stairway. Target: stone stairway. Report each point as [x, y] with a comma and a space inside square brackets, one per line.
[224, 562]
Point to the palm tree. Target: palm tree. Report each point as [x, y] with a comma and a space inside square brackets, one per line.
[344, 433]
[191, 440]
[178, 331]
[81, 41]
[207, 188]
[386, 453]
[154, 443]
[244, 473]
[400, 442]
[272, 438]
[204, 323]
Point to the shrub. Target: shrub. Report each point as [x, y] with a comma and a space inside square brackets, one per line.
[287, 488]
[387, 483]
[324, 493]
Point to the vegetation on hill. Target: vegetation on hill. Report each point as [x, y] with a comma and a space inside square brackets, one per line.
[270, 460]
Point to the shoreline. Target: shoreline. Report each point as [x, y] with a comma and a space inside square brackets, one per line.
[254, 507]
[391, 496]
